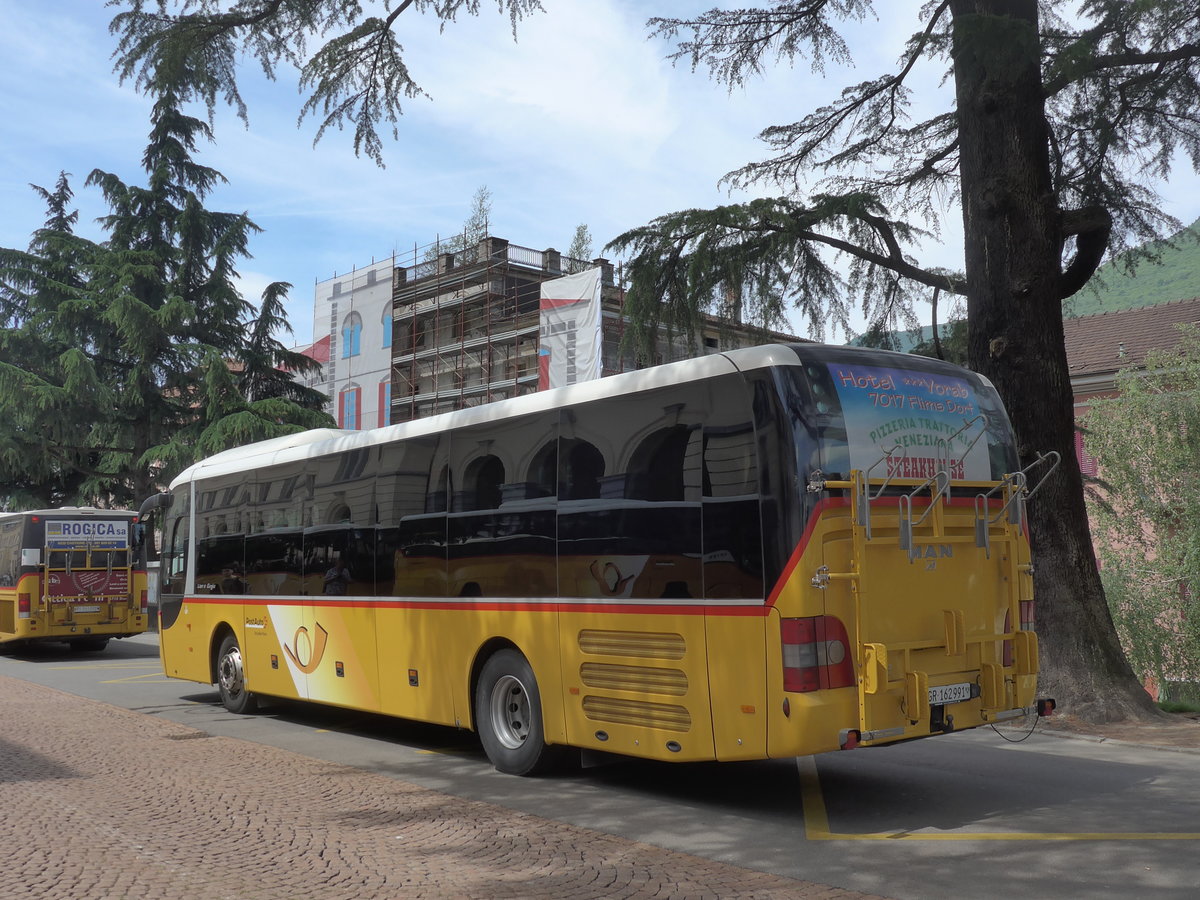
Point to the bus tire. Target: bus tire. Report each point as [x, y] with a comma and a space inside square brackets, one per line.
[508, 716]
[231, 678]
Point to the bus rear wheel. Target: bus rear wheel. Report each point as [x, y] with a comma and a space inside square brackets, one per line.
[231, 678]
[508, 717]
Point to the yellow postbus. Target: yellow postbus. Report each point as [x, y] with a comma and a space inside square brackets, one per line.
[770, 552]
[71, 575]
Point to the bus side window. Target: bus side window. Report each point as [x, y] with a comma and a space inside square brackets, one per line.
[10, 550]
[733, 565]
[501, 527]
[629, 521]
[410, 518]
[339, 537]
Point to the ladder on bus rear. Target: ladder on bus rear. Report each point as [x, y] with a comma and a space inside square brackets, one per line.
[998, 523]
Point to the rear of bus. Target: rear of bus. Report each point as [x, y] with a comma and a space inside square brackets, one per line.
[903, 605]
[71, 575]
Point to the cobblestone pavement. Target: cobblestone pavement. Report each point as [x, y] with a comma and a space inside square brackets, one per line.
[100, 803]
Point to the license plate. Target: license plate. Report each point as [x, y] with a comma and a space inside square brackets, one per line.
[96, 609]
[949, 693]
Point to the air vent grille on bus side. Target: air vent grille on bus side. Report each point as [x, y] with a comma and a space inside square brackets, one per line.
[642, 679]
[637, 712]
[644, 645]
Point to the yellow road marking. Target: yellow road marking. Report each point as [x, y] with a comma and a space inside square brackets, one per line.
[449, 751]
[816, 823]
[129, 679]
[154, 665]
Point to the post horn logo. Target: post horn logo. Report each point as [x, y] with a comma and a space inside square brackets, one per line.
[311, 649]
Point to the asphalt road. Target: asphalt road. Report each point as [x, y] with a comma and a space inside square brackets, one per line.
[966, 815]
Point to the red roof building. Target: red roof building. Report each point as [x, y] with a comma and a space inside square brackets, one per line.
[1101, 345]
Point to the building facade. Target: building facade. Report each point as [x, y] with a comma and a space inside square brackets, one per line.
[400, 340]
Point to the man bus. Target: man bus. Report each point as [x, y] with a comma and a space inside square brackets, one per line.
[771, 552]
[71, 575]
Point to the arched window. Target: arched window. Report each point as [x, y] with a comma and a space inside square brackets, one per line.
[386, 321]
[350, 407]
[351, 335]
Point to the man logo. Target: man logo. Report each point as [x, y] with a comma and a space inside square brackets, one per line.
[934, 551]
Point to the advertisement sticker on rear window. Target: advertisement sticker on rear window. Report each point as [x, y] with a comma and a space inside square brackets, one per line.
[914, 419]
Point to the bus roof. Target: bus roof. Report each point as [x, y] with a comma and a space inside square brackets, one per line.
[323, 441]
[88, 511]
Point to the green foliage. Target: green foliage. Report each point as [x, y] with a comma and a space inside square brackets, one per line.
[474, 229]
[1174, 706]
[124, 361]
[744, 262]
[1148, 525]
[1161, 272]
[357, 77]
[579, 253]
[951, 344]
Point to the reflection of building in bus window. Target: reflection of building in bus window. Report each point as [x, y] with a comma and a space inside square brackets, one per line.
[482, 480]
[656, 471]
[582, 469]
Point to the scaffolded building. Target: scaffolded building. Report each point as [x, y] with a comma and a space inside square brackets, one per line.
[466, 326]
[463, 327]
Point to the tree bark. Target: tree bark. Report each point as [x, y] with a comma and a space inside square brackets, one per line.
[1014, 265]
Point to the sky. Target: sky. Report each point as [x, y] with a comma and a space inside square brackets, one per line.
[581, 120]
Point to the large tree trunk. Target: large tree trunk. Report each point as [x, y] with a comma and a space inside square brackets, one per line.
[1013, 263]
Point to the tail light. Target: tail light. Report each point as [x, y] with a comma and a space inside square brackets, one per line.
[144, 604]
[1027, 615]
[816, 654]
[22, 606]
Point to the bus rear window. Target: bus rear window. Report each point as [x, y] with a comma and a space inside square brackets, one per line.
[905, 422]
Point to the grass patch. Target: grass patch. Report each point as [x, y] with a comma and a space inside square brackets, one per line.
[1176, 706]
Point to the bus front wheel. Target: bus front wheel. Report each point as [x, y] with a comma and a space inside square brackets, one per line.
[231, 678]
[508, 716]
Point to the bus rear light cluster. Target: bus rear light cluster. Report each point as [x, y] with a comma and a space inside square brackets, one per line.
[23, 606]
[816, 654]
[144, 603]
[1027, 615]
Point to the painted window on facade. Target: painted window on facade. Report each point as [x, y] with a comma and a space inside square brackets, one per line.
[351, 335]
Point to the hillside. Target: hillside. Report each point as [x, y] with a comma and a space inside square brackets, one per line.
[1178, 278]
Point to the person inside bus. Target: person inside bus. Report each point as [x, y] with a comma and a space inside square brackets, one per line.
[337, 577]
[231, 580]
